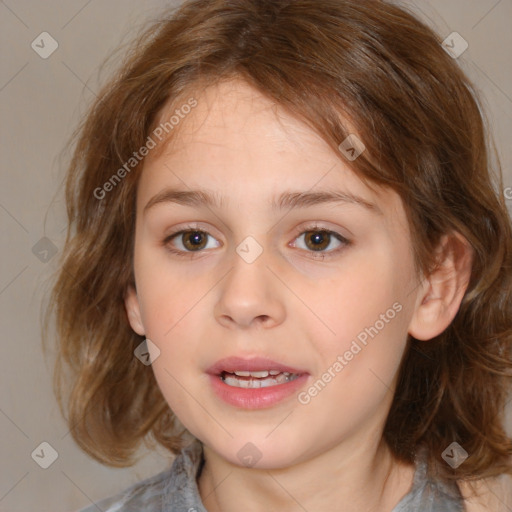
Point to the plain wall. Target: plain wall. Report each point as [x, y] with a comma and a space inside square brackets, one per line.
[41, 101]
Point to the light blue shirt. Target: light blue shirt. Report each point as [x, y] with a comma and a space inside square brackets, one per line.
[175, 490]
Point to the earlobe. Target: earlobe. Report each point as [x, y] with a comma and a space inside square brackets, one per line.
[442, 291]
[131, 303]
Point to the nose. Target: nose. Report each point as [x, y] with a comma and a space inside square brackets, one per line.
[250, 295]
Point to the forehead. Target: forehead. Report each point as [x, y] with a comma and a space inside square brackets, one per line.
[236, 137]
[233, 115]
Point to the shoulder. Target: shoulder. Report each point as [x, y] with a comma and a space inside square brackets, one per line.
[493, 494]
[174, 489]
[143, 496]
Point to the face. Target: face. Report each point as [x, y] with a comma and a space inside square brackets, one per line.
[269, 276]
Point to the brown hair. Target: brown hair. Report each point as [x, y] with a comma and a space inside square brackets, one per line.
[419, 119]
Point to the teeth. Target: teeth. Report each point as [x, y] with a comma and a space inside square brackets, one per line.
[257, 382]
[258, 375]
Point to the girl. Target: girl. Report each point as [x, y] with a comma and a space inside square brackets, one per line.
[290, 263]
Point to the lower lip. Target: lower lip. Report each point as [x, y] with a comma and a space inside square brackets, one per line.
[257, 398]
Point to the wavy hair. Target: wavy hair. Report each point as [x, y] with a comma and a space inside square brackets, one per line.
[426, 138]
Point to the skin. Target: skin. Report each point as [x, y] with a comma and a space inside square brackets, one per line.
[287, 305]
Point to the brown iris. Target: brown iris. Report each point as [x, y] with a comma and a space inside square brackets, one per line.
[194, 240]
[320, 239]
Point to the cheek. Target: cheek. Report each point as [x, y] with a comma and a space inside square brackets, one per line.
[181, 380]
[165, 295]
[368, 313]
[366, 294]
[356, 376]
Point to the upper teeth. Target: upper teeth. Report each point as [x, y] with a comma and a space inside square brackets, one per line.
[254, 380]
[259, 375]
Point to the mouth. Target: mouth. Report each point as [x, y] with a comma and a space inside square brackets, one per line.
[258, 379]
[254, 383]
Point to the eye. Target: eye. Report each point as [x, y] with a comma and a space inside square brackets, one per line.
[317, 240]
[188, 240]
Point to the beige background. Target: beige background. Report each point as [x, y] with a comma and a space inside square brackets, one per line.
[41, 100]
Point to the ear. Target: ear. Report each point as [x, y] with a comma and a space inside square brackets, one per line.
[131, 304]
[442, 291]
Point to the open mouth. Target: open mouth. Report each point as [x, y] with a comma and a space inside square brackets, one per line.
[258, 379]
[255, 382]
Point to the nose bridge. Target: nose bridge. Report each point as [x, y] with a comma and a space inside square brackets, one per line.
[248, 294]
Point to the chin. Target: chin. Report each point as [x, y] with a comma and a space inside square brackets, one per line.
[257, 450]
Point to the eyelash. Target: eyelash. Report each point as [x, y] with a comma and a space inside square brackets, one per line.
[318, 255]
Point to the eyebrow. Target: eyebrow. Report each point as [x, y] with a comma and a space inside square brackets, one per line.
[286, 200]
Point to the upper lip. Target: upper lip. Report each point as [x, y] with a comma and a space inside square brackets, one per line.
[252, 364]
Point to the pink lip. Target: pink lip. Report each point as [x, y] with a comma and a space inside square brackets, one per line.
[258, 398]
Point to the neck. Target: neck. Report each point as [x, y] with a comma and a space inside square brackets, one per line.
[364, 478]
